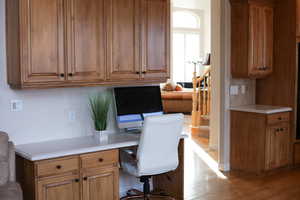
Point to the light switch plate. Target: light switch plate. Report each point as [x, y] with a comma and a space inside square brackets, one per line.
[234, 90]
[16, 105]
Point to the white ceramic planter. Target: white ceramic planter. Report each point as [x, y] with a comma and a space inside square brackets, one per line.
[102, 136]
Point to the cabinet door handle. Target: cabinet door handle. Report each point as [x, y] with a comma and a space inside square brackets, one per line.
[62, 75]
[85, 178]
[76, 180]
[144, 72]
[70, 74]
[279, 118]
[100, 159]
[137, 72]
[58, 167]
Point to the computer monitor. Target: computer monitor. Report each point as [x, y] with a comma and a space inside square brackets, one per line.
[135, 103]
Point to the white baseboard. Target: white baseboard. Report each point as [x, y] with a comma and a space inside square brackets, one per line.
[224, 167]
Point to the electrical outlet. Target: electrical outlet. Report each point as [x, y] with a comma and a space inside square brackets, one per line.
[243, 89]
[16, 105]
[72, 116]
[234, 90]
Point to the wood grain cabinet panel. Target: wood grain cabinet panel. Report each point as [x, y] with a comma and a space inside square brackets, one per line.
[42, 34]
[61, 188]
[156, 39]
[124, 41]
[86, 40]
[298, 18]
[101, 184]
[252, 26]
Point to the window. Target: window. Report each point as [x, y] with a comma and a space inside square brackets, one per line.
[187, 43]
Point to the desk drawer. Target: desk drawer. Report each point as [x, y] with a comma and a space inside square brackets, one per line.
[57, 166]
[278, 117]
[100, 159]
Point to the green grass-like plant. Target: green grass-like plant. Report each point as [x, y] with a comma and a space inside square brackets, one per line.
[99, 105]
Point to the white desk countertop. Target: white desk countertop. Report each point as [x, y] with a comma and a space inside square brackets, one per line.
[74, 146]
[263, 109]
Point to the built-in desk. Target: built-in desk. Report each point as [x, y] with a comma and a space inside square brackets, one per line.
[72, 168]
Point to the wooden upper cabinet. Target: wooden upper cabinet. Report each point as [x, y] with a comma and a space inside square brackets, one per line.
[298, 18]
[61, 43]
[156, 39]
[86, 40]
[252, 39]
[42, 33]
[124, 40]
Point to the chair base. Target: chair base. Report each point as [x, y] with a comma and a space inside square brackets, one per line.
[138, 195]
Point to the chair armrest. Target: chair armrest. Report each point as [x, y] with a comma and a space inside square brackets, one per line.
[12, 162]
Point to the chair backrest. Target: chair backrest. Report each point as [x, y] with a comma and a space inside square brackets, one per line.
[158, 148]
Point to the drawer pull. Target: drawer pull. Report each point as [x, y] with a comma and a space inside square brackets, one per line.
[100, 159]
[58, 167]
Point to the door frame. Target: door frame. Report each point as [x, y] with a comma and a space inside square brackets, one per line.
[221, 76]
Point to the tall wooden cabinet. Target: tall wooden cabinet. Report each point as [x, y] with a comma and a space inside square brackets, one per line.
[252, 38]
[59, 43]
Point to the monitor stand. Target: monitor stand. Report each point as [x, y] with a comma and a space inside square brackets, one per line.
[133, 130]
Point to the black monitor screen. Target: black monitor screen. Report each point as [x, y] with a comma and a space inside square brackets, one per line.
[138, 100]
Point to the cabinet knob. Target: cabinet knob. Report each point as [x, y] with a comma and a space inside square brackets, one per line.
[144, 72]
[62, 75]
[100, 159]
[76, 180]
[58, 167]
[85, 178]
[279, 118]
[70, 74]
[281, 129]
[137, 72]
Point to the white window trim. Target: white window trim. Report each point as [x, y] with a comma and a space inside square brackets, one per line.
[199, 30]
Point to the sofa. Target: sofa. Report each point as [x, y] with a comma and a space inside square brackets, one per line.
[177, 101]
[9, 188]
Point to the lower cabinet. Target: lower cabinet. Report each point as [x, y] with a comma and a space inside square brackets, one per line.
[100, 184]
[277, 146]
[93, 176]
[259, 142]
[61, 188]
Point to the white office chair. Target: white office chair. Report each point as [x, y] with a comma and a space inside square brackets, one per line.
[157, 152]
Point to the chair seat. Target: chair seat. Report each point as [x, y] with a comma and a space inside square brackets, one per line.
[11, 191]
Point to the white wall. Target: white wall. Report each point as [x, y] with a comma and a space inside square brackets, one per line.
[45, 114]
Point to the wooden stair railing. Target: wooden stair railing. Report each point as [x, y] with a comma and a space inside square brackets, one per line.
[201, 97]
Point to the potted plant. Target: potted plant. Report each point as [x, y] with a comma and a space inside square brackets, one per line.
[99, 105]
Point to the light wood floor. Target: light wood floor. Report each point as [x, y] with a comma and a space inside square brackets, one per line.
[203, 181]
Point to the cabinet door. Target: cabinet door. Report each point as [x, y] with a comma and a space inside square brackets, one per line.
[86, 40]
[156, 39]
[268, 39]
[277, 146]
[61, 188]
[283, 146]
[124, 40]
[42, 40]
[260, 40]
[298, 18]
[101, 184]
